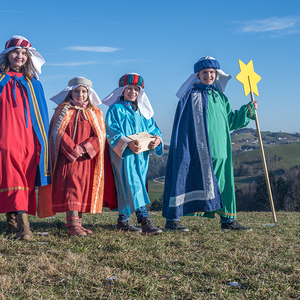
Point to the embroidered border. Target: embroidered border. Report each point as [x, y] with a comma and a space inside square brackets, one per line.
[250, 110]
[41, 125]
[202, 145]
[101, 165]
[188, 197]
[15, 188]
[57, 125]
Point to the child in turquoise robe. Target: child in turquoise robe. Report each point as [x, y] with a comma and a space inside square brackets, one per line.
[130, 112]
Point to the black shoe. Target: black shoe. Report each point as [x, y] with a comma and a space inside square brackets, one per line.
[148, 227]
[175, 226]
[127, 226]
[234, 226]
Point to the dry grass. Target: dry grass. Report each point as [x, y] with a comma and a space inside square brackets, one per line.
[199, 264]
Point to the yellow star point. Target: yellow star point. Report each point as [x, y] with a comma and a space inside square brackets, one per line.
[248, 78]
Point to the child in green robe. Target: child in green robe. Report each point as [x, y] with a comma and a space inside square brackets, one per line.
[182, 196]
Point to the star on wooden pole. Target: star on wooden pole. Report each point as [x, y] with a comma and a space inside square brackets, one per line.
[249, 79]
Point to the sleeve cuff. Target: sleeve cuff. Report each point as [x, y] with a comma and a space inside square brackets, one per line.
[122, 145]
[75, 153]
[89, 149]
[251, 110]
[159, 150]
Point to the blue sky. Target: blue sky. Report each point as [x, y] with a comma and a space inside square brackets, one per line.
[161, 40]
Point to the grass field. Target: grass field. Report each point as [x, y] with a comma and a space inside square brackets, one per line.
[288, 152]
[155, 189]
[199, 264]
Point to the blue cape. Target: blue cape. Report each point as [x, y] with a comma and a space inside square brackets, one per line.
[190, 183]
[40, 122]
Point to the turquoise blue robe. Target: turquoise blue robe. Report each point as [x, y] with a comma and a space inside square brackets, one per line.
[130, 170]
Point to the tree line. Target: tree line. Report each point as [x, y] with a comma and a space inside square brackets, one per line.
[285, 188]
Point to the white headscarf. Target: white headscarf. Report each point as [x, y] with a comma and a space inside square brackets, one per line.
[221, 80]
[73, 84]
[35, 56]
[142, 100]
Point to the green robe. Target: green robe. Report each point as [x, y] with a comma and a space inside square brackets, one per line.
[220, 121]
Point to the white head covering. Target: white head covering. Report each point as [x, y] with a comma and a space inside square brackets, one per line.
[18, 41]
[142, 100]
[220, 81]
[73, 84]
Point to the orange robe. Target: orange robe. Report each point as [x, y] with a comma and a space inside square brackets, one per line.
[77, 182]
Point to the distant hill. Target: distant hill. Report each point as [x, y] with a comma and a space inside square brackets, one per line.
[278, 157]
[282, 151]
[246, 139]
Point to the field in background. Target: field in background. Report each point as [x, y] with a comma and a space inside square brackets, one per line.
[155, 189]
[278, 157]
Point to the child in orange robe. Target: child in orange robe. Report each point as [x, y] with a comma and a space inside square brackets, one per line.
[77, 141]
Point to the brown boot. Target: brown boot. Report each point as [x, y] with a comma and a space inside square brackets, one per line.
[148, 227]
[11, 224]
[24, 232]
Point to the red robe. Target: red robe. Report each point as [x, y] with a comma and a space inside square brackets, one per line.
[73, 177]
[19, 151]
[77, 182]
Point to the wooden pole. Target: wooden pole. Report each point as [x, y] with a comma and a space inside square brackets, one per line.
[263, 158]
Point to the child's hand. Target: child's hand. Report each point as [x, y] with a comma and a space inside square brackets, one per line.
[83, 151]
[255, 104]
[77, 151]
[134, 146]
[155, 143]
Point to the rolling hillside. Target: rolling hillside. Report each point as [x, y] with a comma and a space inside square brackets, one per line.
[278, 157]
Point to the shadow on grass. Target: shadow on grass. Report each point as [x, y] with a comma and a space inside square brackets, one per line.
[56, 227]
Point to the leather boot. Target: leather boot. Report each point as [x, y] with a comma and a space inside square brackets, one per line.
[148, 227]
[24, 232]
[11, 224]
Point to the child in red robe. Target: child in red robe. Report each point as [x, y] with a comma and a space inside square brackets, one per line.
[76, 141]
[24, 127]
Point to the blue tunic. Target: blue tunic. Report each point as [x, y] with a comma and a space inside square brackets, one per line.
[130, 170]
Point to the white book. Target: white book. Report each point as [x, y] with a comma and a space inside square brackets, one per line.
[144, 138]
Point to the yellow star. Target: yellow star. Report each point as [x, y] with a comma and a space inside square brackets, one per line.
[248, 78]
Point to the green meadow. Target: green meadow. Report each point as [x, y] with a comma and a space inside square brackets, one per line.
[200, 264]
[287, 156]
[155, 189]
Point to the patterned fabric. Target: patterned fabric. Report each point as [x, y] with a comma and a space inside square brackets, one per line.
[221, 120]
[17, 43]
[142, 100]
[133, 79]
[190, 183]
